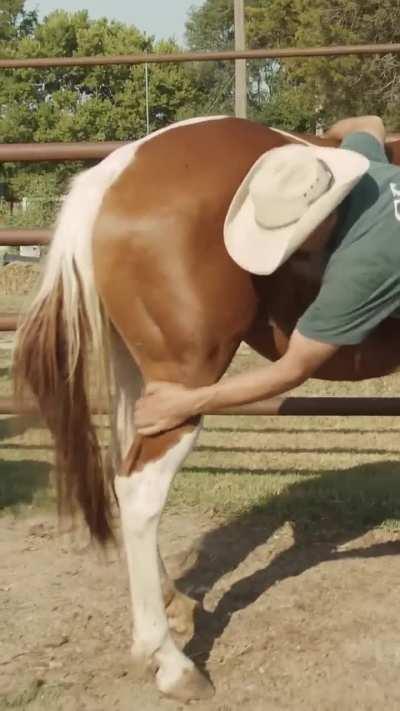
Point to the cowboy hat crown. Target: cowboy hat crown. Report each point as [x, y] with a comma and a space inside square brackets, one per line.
[287, 193]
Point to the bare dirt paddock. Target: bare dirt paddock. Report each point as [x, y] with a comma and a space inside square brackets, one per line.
[288, 531]
[293, 627]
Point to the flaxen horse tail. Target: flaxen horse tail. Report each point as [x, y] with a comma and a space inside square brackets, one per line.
[62, 340]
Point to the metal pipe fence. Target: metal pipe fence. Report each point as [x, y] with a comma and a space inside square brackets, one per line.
[277, 407]
[37, 152]
[308, 406]
[177, 57]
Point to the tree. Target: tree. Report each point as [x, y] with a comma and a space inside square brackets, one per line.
[211, 27]
[302, 94]
[15, 22]
[84, 103]
[323, 90]
[97, 103]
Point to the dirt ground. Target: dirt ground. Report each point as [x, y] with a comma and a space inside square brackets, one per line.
[287, 531]
[286, 625]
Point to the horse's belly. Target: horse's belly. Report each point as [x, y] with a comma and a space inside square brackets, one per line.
[379, 354]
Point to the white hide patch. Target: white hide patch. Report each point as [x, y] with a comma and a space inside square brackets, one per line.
[290, 135]
[143, 494]
[141, 498]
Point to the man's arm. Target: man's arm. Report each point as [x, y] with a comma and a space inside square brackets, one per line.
[166, 405]
[365, 124]
[302, 359]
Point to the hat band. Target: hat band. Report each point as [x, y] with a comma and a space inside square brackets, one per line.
[279, 227]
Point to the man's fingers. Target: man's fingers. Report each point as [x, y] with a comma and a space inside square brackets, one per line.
[146, 431]
[151, 430]
[153, 386]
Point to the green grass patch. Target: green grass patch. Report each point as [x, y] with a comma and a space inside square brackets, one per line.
[317, 504]
[324, 475]
[317, 500]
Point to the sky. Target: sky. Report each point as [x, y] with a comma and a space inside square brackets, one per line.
[162, 18]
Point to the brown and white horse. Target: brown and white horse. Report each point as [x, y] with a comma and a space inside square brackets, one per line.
[138, 287]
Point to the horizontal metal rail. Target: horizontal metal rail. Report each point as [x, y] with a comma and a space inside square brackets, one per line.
[320, 406]
[292, 406]
[286, 407]
[9, 322]
[35, 152]
[130, 59]
[26, 238]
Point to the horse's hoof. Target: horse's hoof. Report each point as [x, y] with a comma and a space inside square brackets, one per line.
[191, 686]
[180, 613]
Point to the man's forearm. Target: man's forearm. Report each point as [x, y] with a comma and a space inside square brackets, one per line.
[370, 124]
[255, 385]
[166, 405]
[302, 359]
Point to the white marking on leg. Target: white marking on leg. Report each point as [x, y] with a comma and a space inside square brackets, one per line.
[142, 497]
[128, 384]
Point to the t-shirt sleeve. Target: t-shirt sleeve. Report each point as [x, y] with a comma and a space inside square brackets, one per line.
[367, 145]
[349, 306]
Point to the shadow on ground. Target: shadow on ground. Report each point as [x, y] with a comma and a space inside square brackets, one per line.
[18, 425]
[326, 512]
[22, 481]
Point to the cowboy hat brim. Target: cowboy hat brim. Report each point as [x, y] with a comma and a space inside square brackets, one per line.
[260, 250]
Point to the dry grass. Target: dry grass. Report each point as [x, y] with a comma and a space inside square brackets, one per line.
[17, 280]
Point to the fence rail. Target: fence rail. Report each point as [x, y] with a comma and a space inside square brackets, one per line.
[227, 55]
[37, 152]
[279, 406]
[24, 238]
[8, 322]
[309, 406]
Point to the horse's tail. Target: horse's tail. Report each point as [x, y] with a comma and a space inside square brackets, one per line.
[61, 341]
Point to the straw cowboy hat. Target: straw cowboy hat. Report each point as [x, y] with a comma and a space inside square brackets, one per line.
[287, 193]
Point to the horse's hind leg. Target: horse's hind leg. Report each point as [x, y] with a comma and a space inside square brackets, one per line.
[142, 495]
[128, 385]
[181, 308]
[142, 487]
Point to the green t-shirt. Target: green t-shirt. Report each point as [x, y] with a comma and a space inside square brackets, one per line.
[361, 281]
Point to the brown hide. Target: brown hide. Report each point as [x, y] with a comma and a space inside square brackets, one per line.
[180, 303]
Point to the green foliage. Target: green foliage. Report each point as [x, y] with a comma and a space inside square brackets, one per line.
[96, 103]
[327, 89]
[211, 27]
[109, 103]
[301, 94]
[42, 200]
[81, 103]
[15, 22]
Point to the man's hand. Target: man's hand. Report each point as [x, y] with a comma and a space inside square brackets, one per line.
[164, 406]
[367, 124]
